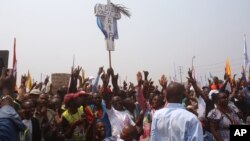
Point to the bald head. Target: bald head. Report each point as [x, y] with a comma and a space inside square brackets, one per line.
[175, 92]
[128, 133]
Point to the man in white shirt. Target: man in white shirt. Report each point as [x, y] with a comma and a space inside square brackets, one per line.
[174, 122]
[118, 116]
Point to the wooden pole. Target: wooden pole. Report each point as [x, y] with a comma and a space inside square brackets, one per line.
[109, 59]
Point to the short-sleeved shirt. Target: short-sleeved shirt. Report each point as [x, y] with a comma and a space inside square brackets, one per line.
[118, 120]
[223, 121]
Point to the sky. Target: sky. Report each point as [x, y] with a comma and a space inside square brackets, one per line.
[161, 37]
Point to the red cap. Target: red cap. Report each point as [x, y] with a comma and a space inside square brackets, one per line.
[69, 97]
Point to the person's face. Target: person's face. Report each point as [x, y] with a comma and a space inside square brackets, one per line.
[156, 102]
[56, 103]
[129, 104]
[97, 99]
[27, 110]
[43, 99]
[34, 97]
[222, 99]
[241, 96]
[216, 80]
[100, 129]
[117, 103]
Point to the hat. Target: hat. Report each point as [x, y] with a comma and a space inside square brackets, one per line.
[81, 93]
[70, 96]
[35, 92]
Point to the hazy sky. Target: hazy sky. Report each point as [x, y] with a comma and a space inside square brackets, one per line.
[160, 34]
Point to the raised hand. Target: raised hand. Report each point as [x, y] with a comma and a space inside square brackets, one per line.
[190, 77]
[139, 78]
[24, 79]
[101, 70]
[46, 79]
[105, 79]
[77, 71]
[125, 85]
[131, 86]
[39, 86]
[7, 79]
[146, 75]
[163, 81]
[83, 74]
[110, 71]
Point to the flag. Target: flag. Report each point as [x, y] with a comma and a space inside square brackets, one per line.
[101, 24]
[227, 68]
[14, 65]
[246, 61]
[228, 71]
[28, 82]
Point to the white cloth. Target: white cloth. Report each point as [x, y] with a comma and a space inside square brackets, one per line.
[201, 107]
[118, 120]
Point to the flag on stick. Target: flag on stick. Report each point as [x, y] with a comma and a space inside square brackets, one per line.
[246, 61]
[227, 68]
[28, 82]
[14, 65]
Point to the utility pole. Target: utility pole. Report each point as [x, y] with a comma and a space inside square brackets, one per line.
[180, 68]
[175, 78]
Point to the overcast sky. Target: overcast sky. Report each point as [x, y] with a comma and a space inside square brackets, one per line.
[160, 34]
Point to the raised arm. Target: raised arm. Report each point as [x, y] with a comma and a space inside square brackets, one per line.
[105, 90]
[197, 89]
[163, 82]
[73, 81]
[95, 85]
[139, 92]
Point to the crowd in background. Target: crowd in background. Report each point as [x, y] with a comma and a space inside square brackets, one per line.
[96, 111]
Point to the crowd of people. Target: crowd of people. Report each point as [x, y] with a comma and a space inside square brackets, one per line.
[104, 111]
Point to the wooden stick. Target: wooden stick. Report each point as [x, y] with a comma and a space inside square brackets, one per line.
[109, 59]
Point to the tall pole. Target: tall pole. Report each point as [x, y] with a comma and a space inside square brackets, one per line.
[109, 2]
[175, 73]
[180, 72]
[109, 59]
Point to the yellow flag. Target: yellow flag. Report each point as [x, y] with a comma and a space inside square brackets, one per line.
[28, 82]
[227, 68]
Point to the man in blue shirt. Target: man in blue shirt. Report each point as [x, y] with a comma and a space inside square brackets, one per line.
[10, 122]
[174, 122]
